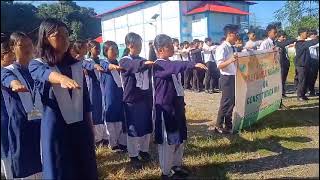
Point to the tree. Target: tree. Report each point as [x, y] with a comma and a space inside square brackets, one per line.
[297, 14]
[75, 17]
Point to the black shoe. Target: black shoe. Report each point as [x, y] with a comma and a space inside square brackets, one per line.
[135, 163]
[227, 131]
[123, 148]
[218, 130]
[312, 93]
[145, 157]
[115, 148]
[180, 172]
[105, 142]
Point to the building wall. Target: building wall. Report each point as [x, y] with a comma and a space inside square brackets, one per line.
[137, 19]
[217, 21]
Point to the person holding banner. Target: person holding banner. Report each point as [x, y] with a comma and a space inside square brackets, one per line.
[67, 140]
[226, 57]
[302, 62]
[269, 42]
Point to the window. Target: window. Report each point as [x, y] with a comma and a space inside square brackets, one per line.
[238, 20]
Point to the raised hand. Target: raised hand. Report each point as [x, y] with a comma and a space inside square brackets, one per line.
[66, 82]
[149, 62]
[115, 67]
[98, 67]
[16, 86]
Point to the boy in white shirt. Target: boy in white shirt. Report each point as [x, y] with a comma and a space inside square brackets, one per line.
[269, 42]
[212, 74]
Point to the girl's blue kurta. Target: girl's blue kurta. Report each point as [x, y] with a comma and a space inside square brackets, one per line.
[138, 102]
[112, 94]
[68, 149]
[23, 134]
[95, 94]
[4, 123]
[170, 107]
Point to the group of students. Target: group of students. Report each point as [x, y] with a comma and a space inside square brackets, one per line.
[56, 104]
[56, 107]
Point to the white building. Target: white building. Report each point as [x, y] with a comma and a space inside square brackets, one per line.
[184, 20]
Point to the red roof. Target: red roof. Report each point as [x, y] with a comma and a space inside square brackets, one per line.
[217, 8]
[121, 7]
[99, 39]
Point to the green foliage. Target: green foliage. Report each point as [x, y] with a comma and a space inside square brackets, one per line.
[26, 17]
[297, 14]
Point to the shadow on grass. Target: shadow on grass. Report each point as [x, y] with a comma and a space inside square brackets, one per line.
[285, 157]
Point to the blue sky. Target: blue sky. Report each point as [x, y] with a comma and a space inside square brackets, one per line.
[263, 10]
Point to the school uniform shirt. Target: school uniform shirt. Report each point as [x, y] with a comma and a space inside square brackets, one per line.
[93, 79]
[23, 134]
[253, 45]
[208, 53]
[169, 100]
[177, 55]
[4, 123]
[303, 57]
[185, 54]
[137, 95]
[112, 93]
[267, 44]
[223, 53]
[314, 51]
[68, 150]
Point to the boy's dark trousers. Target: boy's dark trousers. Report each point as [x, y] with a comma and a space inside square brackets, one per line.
[284, 74]
[198, 76]
[313, 74]
[188, 76]
[302, 73]
[211, 76]
[227, 102]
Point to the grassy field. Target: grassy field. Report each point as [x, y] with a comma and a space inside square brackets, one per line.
[283, 144]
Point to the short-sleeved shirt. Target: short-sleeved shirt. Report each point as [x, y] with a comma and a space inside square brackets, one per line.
[266, 44]
[223, 53]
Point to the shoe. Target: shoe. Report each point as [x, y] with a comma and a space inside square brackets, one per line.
[115, 148]
[123, 148]
[105, 142]
[145, 157]
[312, 93]
[284, 96]
[135, 163]
[180, 171]
[218, 130]
[302, 99]
[227, 131]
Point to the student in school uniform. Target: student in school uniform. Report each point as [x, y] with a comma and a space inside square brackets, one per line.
[188, 74]
[268, 43]
[212, 75]
[239, 44]
[226, 58]
[170, 119]
[67, 140]
[302, 62]
[314, 63]
[282, 42]
[112, 95]
[93, 68]
[177, 51]
[7, 58]
[24, 111]
[198, 74]
[137, 96]
[252, 44]
[80, 49]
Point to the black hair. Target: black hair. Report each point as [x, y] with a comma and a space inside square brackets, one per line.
[282, 33]
[150, 43]
[270, 27]
[5, 47]
[207, 39]
[91, 44]
[230, 28]
[132, 38]
[196, 40]
[77, 45]
[161, 41]
[312, 32]
[44, 49]
[251, 32]
[174, 40]
[15, 37]
[301, 30]
[126, 52]
[107, 45]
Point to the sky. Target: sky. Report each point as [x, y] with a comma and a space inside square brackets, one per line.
[261, 13]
